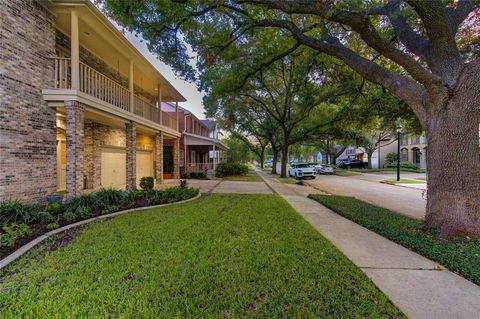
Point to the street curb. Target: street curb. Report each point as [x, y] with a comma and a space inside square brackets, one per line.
[22, 250]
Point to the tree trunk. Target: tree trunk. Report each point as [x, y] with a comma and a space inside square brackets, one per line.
[283, 171]
[369, 159]
[274, 162]
[262, 158]
[453, 163]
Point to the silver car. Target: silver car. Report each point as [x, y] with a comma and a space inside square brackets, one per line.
[324, 169]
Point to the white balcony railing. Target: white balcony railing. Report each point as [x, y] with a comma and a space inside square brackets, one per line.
[108, 90]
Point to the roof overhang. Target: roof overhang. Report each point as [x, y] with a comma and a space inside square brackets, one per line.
[193, 139]
[102, 26]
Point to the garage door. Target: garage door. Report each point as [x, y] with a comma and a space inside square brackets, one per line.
[144, 165]
[114, 172]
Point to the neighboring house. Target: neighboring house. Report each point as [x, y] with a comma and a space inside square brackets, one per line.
[81, 108]
[201, 148]
[387, 145]
[414, 150]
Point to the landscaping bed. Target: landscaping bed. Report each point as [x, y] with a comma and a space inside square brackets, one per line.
[21, 223]
[461, 255]
[224, 255]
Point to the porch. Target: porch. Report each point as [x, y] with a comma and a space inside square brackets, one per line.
[202, 153]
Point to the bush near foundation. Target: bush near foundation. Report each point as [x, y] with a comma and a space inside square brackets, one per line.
[231, 169]
[20, 222]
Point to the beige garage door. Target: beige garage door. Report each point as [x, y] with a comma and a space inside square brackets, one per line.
[114, 172]
[144, 164]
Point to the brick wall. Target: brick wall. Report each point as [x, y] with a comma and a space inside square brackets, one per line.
[98, 136]
[27, 130]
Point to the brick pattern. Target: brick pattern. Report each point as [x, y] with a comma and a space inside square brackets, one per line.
[131, 141]
[176, 149]
[159, 157]
[75, 135]
[27, 124]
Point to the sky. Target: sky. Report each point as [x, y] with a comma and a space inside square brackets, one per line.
[187, 89]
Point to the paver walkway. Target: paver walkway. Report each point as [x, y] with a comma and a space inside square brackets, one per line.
[418, 286]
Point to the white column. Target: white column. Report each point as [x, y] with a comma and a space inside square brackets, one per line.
[75, 50]
[176, 113]
[159, 99]
[130, 87]
[214, 158]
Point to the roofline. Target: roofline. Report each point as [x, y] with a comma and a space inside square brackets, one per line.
[108, 24]
[214, 140]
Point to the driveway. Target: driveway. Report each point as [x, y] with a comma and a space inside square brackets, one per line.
[407, 201]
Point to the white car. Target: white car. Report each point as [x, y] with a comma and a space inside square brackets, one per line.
[301, 170]
[324, 169]
[268, 164]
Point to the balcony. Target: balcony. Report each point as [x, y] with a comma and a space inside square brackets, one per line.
[103, 88]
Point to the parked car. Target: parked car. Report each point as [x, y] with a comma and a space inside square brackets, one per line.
[268, 164]
[301, 170]
[353, 164]
[324, 169]
[341, 161]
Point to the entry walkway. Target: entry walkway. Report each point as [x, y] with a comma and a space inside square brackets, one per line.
[419, 287]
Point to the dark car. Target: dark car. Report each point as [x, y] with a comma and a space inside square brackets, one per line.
[353, 164]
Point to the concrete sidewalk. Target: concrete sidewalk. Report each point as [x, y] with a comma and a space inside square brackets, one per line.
[419, 287]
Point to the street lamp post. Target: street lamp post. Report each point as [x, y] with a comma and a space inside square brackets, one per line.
[399, 133]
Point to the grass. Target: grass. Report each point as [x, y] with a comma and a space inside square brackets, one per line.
[249, 177]
[386, 170]
[341, 172]
[460, 255]
[403, 181]
[286, 180]
[421, 178]
[225, 255]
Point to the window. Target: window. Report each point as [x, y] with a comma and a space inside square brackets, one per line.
[193, 157]
[181, 159]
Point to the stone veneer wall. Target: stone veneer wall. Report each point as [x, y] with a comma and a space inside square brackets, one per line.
[63, 43]
[27, 129]
[98, 136]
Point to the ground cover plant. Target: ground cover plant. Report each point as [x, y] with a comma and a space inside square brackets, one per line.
[231, 169]
[224, 255]
[20, 223]
[459, 254]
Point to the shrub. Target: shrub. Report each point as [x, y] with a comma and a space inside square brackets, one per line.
[391, 158]
[146, 183]
[197, 175]
[184, 175]
[43, 217]
[69, 216]
[183, 183]
[13, 211]
[231, 169]
[6, 240]
[54, 208]
[16, 230]
[53, 226]
[83, 205]
[109, 196]
[407, 165]
[136, 195]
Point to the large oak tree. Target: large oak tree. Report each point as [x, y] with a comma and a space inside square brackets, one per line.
[410, 47]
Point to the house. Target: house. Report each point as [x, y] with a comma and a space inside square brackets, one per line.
[81, 108]
[413, 149]
[201, 148]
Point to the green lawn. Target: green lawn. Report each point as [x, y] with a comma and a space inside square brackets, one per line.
[461, 255]
[391, 170]
[224, 255]
[403, 181]
[286, 180]
[345, 172]
[249, 177]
